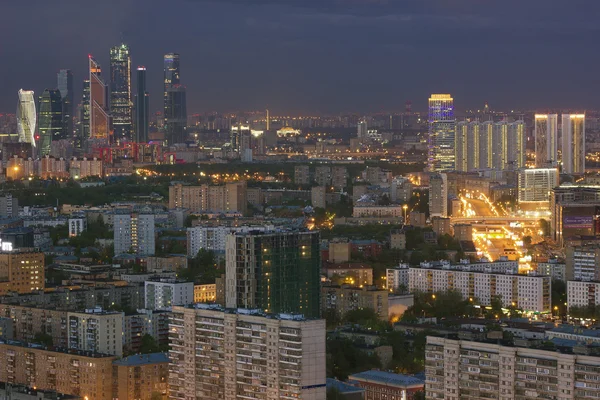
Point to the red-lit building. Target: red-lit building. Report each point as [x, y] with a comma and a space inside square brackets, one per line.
[381, 385]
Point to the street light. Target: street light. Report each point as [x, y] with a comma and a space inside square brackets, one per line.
[405, 207]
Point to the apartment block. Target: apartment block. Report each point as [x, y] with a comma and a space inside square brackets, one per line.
[213, 238]
[28, 321]
[205, 293]
[275, 271]
[134, 232]
[581, 263]
[339, 177]
[397, 277]
[79, 373]
[226, 355]
[343, 299]
[458, 369]
[141, 377]
[323, 175]
[96, 331]
[162, 295]
[530, 293]
[302, 175]
[231, 197]
[166, 263]
[21, 271]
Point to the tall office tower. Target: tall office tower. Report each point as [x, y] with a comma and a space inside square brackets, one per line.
[84, 114]
[573, 143]
[120, 91]
[26, 117]
[500, 146]
[546, 140]
[134, 232]
[142, 107]
[461, 146]
[516, 144]
[277, 272]
[175, 101]
[442, 126]
[438, 195]
[473, 154]
[244, 355]
[100, 121]
[65, 86]
[50, 120]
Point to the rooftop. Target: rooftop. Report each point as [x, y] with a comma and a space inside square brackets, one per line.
[343, 387]
[142, 359]
[388, 378]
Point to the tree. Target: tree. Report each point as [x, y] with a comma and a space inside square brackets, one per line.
[527, 240]
[43, 338]
[334, 394]
[148, 345]
[559, 296]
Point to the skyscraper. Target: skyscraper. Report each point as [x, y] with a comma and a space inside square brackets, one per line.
[175, 101]
[100, 122]
[84, 114]
[516, 144]
[65, 86]
[50, 120]
[546, 140]
[277, 272]
[120, 91]
[573, 143]
[461, 146]
[142, 107]
[26, 117]
[442, 126]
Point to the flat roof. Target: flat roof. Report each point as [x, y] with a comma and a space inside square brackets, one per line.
[143, 359]
[387, 378]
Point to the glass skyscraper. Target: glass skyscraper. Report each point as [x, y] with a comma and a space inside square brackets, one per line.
[142, 107]
[65, 86]
[175, 101]
[50, 120]
[442, 127]
[26, 117]
[100, 122]
[120, 91]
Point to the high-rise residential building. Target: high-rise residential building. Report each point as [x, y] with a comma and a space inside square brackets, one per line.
[21, 271]
[573, 143]
[67, 371]
[461, 369]
[232, 197]
[536, 184]
[581, 262]
[245, 354]
[175, 101]
[142, 376]
[275, 271]
[134, 232]
[26, 117]
[438, 195]
[100, 121]
[64, 79]
[120, 91]
[489, 145]
[302, 175]
[546, 140]
[142, 107]
[96, 330]
[442, 127]
[9, 206]
[361, 131]
[50, 120]
[214, 238]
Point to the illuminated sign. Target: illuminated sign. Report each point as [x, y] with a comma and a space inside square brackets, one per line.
[6, 246]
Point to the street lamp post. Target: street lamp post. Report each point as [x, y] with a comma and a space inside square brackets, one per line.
[405, 207]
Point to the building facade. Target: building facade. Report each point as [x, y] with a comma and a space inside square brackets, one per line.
[442, 128]
[546, 140]
[50, 120]
[21, 271]
[275, 271]
[134, 232]
[573, 143]
[162, 295]
[244, 354]
[120, 91]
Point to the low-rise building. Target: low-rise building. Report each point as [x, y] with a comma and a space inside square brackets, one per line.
[463, 232]
[392, 211]
[21, 271]
[350, 273]
[441, 226]
[387, 385]
[167, 263]
[205, 293]
[397, 278]
[397, 240]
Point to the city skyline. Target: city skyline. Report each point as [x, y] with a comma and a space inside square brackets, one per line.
[400, 36]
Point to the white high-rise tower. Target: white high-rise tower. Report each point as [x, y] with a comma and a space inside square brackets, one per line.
[26, 117]
[573, 143]
[546, 140]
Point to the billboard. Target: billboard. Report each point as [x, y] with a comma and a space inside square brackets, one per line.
[578, 222]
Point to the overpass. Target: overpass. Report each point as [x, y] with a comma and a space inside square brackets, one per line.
[496, 220]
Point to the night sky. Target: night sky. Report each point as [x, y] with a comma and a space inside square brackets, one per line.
[318, 56]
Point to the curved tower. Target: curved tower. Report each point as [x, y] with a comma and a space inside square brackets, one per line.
[26, 117]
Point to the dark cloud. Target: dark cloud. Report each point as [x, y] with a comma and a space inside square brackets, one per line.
[318, 55]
